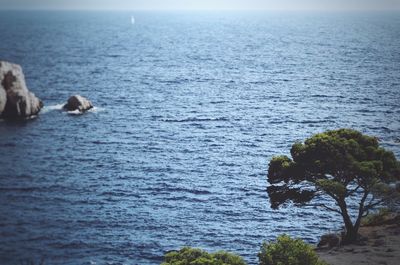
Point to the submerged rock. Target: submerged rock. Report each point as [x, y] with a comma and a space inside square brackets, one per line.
[16, 101]
[79, 103]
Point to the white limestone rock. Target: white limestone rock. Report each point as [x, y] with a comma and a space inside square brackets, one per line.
[16, 101]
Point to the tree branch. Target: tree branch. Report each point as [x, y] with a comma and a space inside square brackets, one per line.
[330, 194]
[326, 207]
[372, 205]
[361, 209]
[351, 192]
[366, 213]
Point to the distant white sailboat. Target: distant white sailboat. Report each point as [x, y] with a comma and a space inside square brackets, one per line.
[133, 20]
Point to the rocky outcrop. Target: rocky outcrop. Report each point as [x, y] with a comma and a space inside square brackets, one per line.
[329, 240]
[16, 101]
[79, 103]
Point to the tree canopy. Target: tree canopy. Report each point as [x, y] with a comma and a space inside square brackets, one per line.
[340, 164]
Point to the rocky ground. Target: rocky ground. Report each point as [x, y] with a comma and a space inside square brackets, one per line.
[381, 246]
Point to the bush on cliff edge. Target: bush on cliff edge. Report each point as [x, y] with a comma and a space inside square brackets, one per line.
[288, 251]
[194, 256]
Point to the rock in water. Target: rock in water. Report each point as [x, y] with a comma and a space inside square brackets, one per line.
[3, 99]
[78, 102]
[16, 101]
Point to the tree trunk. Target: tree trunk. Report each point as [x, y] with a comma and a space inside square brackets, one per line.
[350, 236]
[351, 230]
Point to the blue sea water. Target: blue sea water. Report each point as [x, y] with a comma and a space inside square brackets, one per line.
[190, 107]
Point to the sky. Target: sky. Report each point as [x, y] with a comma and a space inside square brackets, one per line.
[199, 4]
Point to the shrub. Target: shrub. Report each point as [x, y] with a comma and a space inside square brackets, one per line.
[376, 218]
[288, 251]
[195, 256]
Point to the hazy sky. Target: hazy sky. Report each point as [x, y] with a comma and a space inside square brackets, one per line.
[198, 4]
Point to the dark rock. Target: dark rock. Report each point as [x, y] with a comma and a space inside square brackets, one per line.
[16, 101]
[361, 243]
[329, 240]
[79, 103]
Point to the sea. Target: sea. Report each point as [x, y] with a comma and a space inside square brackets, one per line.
[190, 106]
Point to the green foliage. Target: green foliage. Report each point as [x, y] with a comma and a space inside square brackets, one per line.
[194, 256]
[329, 162]
[331, 186]
[337, 163]
[288, 251]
